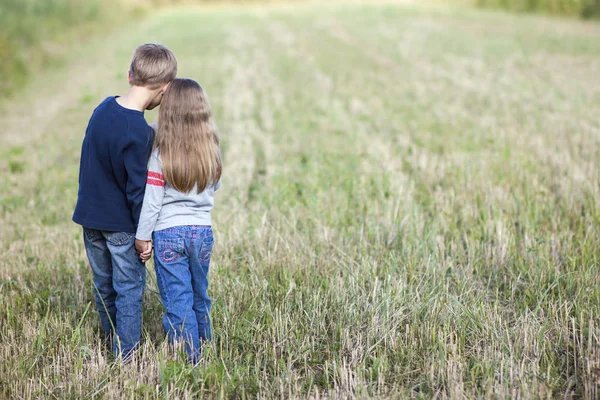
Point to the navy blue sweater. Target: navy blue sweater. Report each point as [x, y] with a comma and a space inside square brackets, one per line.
[113, 168]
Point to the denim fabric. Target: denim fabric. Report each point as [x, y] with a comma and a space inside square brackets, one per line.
[182, 258]
[119, 281]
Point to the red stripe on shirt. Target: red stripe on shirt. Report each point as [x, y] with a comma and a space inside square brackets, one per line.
[156, 175]
[155, 182]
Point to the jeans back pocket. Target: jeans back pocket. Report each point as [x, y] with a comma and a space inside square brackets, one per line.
[205, 251]
[118, 238]
[90, 234]
[169, 250]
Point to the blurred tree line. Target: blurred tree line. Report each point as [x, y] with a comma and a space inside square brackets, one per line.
[28, 27]
[583, 8]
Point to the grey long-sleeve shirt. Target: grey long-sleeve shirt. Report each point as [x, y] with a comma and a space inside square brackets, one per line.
[165, 207]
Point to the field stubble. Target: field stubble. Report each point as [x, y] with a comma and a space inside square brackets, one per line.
[409, 209]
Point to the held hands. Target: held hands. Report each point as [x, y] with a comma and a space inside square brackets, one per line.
[144, 247]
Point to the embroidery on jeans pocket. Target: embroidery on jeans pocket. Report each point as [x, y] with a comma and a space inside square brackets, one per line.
[205, 252]
[119, 238]
[170, 250]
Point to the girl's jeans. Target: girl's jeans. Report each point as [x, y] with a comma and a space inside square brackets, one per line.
[119, 281]
[181, 258]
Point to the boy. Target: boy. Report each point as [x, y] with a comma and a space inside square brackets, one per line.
[112, 180]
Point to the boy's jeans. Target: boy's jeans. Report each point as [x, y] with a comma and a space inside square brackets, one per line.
[119, 281]
[182, 258]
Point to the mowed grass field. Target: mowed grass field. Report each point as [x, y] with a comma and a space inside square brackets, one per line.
[410, 208]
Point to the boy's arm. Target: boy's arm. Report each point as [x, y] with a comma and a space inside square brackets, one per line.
[135, 156]
[153, 199]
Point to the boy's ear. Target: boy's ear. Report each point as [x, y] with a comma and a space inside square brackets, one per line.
[129, 77]
[164, 88]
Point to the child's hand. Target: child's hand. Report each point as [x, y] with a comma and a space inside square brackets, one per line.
[144, 247]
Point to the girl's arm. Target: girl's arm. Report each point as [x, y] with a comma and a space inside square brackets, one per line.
[153, 199]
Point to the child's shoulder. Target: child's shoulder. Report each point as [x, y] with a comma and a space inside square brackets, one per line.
[107, 102]
[106, 109]
[101, 113]
[103, 104]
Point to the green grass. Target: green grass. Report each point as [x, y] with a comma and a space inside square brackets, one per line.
[409, 209]
[582, 8]
[34, 34]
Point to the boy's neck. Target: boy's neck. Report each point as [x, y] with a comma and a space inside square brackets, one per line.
[138, 98]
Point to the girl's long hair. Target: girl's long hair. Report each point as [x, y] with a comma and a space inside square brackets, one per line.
[187, 138]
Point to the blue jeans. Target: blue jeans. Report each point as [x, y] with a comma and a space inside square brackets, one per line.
[119, 282]
[182, 258]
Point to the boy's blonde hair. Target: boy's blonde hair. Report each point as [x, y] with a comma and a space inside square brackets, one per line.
[187, 138]
[152, 66]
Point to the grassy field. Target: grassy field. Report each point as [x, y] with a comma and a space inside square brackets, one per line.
[36, 34]
[410, 208]
[583, 8]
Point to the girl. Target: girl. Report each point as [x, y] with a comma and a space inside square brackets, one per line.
[183, 173]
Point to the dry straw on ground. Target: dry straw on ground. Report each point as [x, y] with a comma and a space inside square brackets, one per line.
[409, 209]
